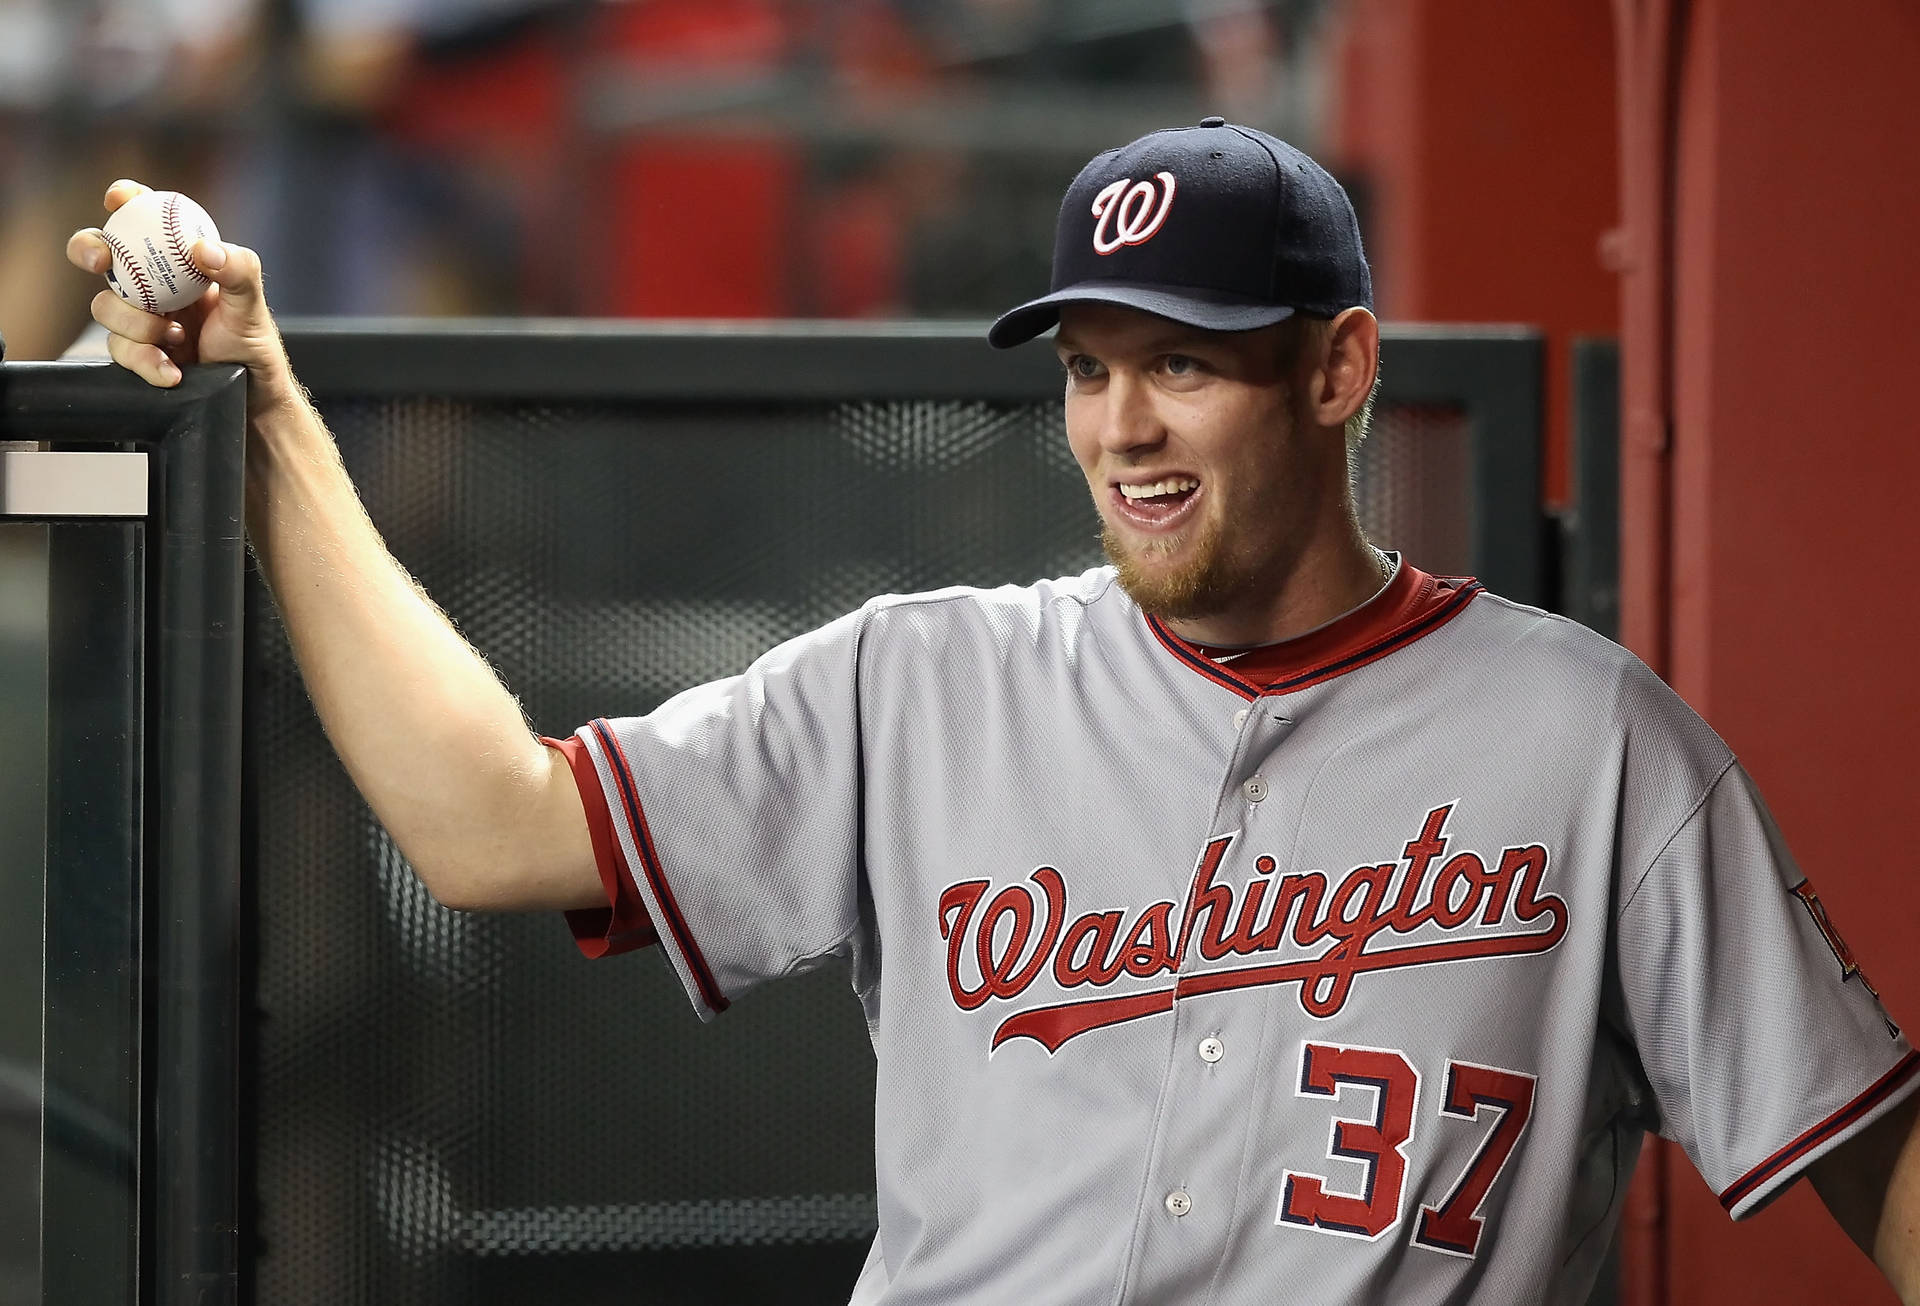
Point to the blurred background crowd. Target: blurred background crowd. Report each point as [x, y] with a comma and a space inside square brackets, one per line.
[658, 158]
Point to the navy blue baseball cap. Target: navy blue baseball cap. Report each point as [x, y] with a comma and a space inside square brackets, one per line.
[1217, 226]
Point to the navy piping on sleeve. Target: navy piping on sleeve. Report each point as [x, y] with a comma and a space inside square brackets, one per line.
[1743, 1187]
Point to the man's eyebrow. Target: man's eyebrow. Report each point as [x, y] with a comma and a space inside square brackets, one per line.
[1171, 340]
[1175, 342]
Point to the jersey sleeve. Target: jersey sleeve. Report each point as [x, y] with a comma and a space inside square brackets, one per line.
[623, 924]
[729, 820]
[1759, 1034]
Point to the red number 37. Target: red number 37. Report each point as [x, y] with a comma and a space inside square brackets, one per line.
[1378, 1143]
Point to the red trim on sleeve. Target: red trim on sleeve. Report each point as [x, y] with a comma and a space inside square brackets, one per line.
[676, 921]
[623, 924]
[1744, 1187]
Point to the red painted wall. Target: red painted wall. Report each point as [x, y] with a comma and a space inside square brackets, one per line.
[1484, 131]
[1795, 463]
[1769, 310]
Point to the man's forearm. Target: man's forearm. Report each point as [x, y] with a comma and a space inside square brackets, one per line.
[488, 816]
[431, 737]
[1896, 1242]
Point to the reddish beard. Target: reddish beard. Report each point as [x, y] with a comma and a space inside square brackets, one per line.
[1204, 582]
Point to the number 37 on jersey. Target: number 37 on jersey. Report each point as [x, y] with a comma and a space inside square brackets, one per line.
[1377, 1106]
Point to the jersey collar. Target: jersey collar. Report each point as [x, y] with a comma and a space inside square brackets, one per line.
[1410, 605]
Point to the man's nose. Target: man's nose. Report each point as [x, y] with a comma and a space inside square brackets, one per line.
[1130, 422]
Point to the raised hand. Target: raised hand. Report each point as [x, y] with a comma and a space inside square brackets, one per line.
[230, 323]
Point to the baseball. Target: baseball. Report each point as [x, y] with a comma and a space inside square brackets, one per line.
[151, 235]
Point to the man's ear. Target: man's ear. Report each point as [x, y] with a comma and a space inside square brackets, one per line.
[1342, 378]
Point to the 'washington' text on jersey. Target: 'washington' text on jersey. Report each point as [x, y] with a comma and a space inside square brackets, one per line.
[999, 949]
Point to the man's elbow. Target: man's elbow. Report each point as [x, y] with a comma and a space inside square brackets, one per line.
[525, 847]
[466, 881]
[531, 866]
[475, 863]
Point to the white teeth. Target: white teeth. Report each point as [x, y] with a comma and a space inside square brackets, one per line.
[1172, 485]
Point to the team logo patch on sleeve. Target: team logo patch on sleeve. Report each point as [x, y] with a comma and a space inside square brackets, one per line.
[1849, 967]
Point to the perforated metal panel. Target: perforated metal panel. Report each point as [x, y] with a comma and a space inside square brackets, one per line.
[1413, 483]
[437, 1090]
[457, 1109]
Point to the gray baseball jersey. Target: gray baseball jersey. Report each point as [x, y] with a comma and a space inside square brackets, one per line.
[1352, 971]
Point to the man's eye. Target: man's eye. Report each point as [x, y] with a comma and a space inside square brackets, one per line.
[1181, 365]
[1082, 368]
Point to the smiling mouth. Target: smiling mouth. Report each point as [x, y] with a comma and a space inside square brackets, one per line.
[1156, 504]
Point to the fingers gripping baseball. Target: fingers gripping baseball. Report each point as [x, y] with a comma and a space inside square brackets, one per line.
[150, 363]
[234, 323]
[228, 322]
[235, 269]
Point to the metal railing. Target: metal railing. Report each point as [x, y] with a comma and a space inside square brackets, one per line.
[139, 492]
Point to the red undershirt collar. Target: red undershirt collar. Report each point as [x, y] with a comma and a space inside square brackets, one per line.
[1411, 605]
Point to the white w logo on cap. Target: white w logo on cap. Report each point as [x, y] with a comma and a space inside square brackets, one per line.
[1127, 207]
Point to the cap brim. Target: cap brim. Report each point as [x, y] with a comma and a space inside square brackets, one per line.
[1179, 303]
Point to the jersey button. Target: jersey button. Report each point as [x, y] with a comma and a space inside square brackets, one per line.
[1211, 1050]
[1240, 718]
[1255, 789]
[1178, 1203]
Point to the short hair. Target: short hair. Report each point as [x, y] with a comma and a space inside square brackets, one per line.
[1362, 421]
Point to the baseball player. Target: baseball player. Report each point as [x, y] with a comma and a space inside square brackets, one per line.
[1255, 918]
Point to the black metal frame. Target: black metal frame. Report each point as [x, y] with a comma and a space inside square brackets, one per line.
[1592, 527]
[1493, 372]
[1496, 375]
[581, 359]
[181, 573]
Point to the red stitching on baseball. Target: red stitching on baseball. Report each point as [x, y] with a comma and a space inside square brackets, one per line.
[140, 282]
[170, 223]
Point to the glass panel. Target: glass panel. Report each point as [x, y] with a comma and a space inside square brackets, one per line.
[90, 1041]
[23, 805]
